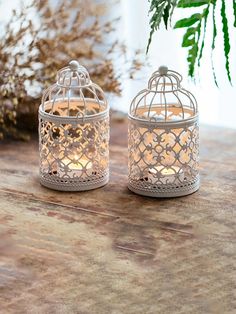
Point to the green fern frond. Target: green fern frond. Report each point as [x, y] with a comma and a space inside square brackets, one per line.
[234, 10]
[226, 38]
[161, 10]
[205, 17]
[213, 41]
[196, 28]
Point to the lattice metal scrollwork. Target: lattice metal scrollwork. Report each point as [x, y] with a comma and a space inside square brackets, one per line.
[163, 141]
[74, 133]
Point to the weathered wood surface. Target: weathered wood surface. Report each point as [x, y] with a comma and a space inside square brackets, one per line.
[111, 251]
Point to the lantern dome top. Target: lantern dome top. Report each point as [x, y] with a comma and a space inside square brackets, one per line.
[74, 75]
[74, 95]
[164, 99]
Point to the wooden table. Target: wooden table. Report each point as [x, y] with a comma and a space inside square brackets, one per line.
[111, 251]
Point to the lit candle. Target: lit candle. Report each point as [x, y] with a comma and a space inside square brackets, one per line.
[168, 175]
[75, 165]
[79, 164]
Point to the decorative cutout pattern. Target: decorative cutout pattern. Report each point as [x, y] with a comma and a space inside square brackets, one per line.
[163, 161]
[74, 156]
[74, 132]
[163, 138]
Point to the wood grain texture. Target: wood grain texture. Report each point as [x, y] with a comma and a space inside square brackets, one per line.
[111, 251]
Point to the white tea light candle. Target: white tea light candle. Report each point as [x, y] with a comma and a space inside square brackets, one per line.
[75, 166]
[78, 164]
[167, 175]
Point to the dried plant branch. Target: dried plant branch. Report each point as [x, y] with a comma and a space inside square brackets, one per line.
[40, 39]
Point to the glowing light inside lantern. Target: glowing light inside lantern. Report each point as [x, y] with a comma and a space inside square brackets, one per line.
[169, 174]
[166, 171]
[79, 164]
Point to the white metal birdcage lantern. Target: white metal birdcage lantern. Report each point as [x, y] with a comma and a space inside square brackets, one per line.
[163, 138]
[74, 132]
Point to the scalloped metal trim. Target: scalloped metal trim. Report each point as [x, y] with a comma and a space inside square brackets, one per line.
[167, 190]
[72, 185]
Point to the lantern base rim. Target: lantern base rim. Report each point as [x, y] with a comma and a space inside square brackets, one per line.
[173, 192]
[74, 187]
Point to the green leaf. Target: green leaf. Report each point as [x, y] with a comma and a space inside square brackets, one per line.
[205, 16]
[158, 8]
[193, 39]
[192, 56]
[189, 37]
[214, 27]
[226, 39]
[192, 3]
[174, 4]
[214, 73]
[166, 14]
[188, 21]
[213, 41]
[161, 10]
[234, 9]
